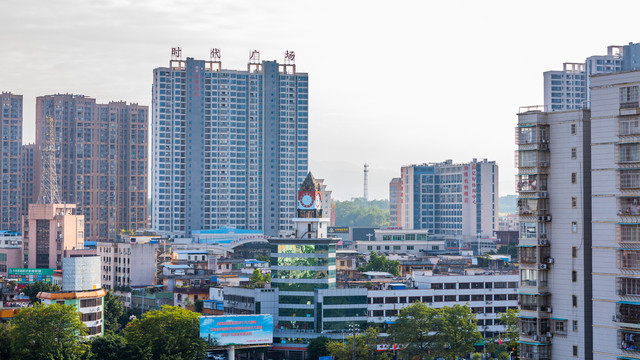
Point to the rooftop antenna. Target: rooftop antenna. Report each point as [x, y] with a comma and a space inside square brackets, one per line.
[366, 182]
[49, 180]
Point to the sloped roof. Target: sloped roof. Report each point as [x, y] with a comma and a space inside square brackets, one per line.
[310, 183]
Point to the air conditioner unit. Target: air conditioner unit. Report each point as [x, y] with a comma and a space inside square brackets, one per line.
[614, 318]
[547, 218]
[544, 242]
[535, 337]
[550, 261]
[549, 334]
[542, 266]
[549, 309]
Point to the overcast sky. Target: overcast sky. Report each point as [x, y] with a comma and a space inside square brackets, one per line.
[391, 82]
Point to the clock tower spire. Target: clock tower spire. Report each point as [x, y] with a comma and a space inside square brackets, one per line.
[309, 223]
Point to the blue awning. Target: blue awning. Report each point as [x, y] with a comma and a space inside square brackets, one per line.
[626, 358]
[629, 249]
[560, 319]
[629, 303]
[531, 343]
[621, 223]
[525, 245]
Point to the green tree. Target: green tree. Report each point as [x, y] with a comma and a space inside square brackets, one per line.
[318, 347]
[449, 332]
[113, 346]
[32, 290]
[365, 347]
[48, 332]
[5, 341]
[511, 337]
[359, 212]
[113, 310]
[256, 279]
[199, 305]
[168, 333]
[380, 263]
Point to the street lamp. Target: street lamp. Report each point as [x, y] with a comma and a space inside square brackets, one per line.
[353, 329]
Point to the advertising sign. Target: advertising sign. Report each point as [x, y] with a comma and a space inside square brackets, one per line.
[237, 329]
[29, 276]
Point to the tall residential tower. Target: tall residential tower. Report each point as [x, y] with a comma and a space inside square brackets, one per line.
[10, 161]
[229, 146]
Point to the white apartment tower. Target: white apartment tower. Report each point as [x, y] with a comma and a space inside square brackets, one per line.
[229, 146]
[554, 205]
[615, 142]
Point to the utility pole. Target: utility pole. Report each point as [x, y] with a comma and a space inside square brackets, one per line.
[353, 328]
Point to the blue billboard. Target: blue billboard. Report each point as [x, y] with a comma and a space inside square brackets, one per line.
[237, 329]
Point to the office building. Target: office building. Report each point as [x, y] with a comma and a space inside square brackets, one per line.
[49, 231]
[30, 162]
[399, 241]
[570, 88]
[554, 206]
[229, 146]
[101, 160]
[450, 199]
[10, 160]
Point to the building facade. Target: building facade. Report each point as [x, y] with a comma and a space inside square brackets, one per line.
[413, 242]
[10, 160]
[128, 264]
[615, 139]
[450, 199]
[395, 202]
[554, 207]
[49, 231]
[101, 160]
[10, 252]
[230, 146]
[30, 162]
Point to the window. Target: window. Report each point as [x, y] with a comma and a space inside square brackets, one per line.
[560, 327]
[574, 178]
[574, 202]
[575, 350]
[573, 129]
[463, 286]
[463, 297]
[450, 286]
[628, 97]
[575, 325]
[574, 251]
[630, 179]
[574, 226]
[574, 153]
[574, 300]
[574, 276]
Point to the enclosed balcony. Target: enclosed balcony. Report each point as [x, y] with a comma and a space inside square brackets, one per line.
[536, 302]
[536, 135]
[530, 254]
[534, 278]
[533, 207]
[534, 351]
[534, 230]
[533, 159]
[629, 340]
[532, 183]
[629, 259]
[628, 153]
[628, 314]
[628, 234]
[628, 286]
[629, 127]
[629, 206]
[629, 179]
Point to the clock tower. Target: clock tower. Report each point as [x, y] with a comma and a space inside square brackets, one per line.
[309, 222]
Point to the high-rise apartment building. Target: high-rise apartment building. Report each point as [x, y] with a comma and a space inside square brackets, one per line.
[449, 199]
[395, 202]
[229, 146]
[570, 88]
[10, 161]
[554, 208]
[30, 162]
[615, 148]
[101, 160]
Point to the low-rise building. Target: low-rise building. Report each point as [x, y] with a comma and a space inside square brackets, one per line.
[10, 251]
[393, 240]
[129, 263]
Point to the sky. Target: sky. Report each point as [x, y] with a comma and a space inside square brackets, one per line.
[392, 83]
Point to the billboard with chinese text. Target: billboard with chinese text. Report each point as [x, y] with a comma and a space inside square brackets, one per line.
[237, 329]
[29, 276]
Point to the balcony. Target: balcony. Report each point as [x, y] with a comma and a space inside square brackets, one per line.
[533, 207]
[629, 340]
[533, 351]
[629, 206]
[628, 314]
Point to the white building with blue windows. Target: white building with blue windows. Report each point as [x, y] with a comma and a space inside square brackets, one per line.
[229, 146]
[460, 200]
[569, 88]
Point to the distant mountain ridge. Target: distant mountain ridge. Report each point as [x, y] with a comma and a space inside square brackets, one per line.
[508, 204]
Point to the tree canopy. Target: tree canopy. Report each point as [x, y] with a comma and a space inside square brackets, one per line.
[358, 212]
[112, 311]
[32, 290]
[380, 263]
[168, 333]
[318, 347]
[448, 332]
[48, 332]
[365, 347]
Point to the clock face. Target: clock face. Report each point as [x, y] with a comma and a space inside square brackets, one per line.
[318, 200]
[306, 200]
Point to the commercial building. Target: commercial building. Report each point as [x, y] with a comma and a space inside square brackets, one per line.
[570, 88]
[49, 231]
[413, 242]
[230, 146]
[81, 288]
[10, 251]
[101, 153]
[450, 199]
[10, 161]
[554, 205]
[487, 294]
[128, 263]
